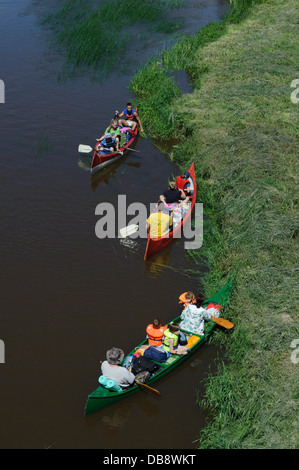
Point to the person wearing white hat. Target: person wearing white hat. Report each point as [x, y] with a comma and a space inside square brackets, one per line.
[108, 144]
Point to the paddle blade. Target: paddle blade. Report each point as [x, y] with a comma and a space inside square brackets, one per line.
[84, 148]
[129, 230]
[150, 389]
[224, 323]
[133, 150]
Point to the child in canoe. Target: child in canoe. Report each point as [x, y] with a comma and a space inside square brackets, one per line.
[112, 132]
[171, 340]
[194, 315]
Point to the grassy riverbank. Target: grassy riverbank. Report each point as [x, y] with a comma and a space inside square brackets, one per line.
[241, 129]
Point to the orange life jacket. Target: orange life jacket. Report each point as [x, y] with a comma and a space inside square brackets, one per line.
[155, 335]
[218, 307]
[180, 182]
[182, 299]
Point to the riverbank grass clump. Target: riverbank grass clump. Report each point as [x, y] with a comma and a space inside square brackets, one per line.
[156, 100]
[243, 136]
[96, 34]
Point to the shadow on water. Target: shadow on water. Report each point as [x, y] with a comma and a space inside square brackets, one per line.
[103, 176]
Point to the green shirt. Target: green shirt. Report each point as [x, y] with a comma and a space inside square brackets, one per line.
[113, 132]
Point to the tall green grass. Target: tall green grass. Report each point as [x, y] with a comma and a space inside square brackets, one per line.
[97, 37]
[156, 92]
[241, 129]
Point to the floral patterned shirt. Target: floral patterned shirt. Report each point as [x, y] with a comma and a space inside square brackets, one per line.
[193, 319]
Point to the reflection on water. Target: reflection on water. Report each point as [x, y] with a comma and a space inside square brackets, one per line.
[155, 267]
[104, 175]
[134, 164]
[115, 419]
[85, 166]
[161, 261]
[195, 363]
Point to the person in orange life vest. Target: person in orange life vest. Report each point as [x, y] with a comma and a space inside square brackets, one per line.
[187, 298]
[130, 118]
[183, 183]
[155, 332]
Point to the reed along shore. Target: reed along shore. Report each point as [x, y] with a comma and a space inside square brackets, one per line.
[240, 126]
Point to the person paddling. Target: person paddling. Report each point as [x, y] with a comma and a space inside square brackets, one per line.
[159, 224]
[108, 144]
[130, 119]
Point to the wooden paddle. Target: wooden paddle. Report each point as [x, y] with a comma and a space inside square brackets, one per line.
[150, 389]
[147, 387]
[222, 322]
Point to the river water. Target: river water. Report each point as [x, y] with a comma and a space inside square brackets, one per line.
[66, 295]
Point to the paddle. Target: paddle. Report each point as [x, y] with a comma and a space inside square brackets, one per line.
[150, 389]
[84, 148]
[87, 149]
[129, 230]
[222, 322]
[133, 150]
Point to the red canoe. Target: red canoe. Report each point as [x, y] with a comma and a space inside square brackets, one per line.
[101, 160]
[156, 244]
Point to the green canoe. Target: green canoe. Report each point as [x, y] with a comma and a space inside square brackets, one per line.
[102, 397]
